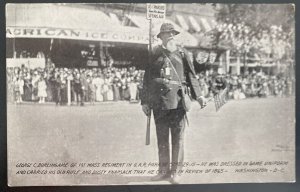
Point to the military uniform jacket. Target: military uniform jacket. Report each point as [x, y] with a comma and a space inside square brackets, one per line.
[160, 89]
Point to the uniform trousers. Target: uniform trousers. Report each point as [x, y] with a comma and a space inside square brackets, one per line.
[170, 122]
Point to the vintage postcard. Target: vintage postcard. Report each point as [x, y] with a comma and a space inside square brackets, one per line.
[150, 94]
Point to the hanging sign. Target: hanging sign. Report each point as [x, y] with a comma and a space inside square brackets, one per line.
[156, 11]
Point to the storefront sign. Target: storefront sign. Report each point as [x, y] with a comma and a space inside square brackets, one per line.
[122, 62]
[212, 57]
[156, 11]
[92, 63]
[202, 56]
[111, 36]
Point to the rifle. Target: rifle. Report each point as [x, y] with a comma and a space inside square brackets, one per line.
[148, 129]
[149, 62]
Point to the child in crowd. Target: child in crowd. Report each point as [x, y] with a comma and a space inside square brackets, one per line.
[18, 89]
[42, 90]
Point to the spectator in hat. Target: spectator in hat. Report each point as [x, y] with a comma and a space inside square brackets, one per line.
[57, 88]
[115, 86]
[27, 87]
[63, 88]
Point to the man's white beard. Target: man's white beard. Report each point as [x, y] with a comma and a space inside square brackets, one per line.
[171, 45]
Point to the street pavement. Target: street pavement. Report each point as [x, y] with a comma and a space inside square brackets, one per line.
[256, 130]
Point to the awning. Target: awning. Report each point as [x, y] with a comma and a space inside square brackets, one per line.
[205, 24]
[184, 37]
[64, 22]
[114, 18]
[194, 23]
[182, 22]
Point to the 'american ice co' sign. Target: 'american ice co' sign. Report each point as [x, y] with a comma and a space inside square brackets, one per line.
[156, 11]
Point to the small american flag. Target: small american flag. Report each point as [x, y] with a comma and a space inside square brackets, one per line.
[220, 99]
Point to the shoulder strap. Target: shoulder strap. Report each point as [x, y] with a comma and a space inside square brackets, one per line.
[173, 67]
[183, 53]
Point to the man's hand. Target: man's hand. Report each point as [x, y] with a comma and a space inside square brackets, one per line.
[146, 110]
[202, 101]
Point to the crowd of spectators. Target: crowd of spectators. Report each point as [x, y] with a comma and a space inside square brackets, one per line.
[113, 84]
[258, 43]
[247, 86]
[50, 84]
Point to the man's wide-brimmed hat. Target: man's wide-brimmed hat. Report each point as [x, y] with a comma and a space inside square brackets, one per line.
[167, 27]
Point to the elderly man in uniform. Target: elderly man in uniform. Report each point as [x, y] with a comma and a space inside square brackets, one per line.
[168, 74]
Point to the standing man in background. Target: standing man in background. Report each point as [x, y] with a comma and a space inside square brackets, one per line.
[169, 73]
[78, 89]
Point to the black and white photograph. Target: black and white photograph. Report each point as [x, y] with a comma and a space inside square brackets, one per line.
[150, 93]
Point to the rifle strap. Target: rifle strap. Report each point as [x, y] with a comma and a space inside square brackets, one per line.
[182, 86]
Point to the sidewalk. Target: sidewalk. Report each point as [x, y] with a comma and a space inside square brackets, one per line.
[75, 104]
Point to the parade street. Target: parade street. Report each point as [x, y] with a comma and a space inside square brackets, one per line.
[111, 135]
